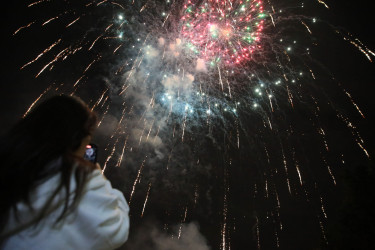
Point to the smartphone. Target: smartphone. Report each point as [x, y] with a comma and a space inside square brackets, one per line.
[91, 153]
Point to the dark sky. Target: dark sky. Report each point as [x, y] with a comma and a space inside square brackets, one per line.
[223, 165]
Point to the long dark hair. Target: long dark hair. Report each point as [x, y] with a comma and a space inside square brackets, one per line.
[54, 129]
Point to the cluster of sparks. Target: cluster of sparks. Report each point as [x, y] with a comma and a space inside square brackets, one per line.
[224, 34]
[223, 31]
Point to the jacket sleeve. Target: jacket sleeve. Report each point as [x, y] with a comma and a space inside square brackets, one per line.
[106, 209]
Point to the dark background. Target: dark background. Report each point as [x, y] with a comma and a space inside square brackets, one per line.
[350, 67]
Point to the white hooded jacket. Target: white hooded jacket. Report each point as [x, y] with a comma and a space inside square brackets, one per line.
[100, 220]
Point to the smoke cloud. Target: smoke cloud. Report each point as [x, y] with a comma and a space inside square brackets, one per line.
[148, 237]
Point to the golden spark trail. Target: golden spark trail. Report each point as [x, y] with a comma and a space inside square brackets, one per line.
[137, 179]
[230, 92]
[355, 134]
[149, 131]
[290, 96]
[272, 20]
[23, 27]
[102, 2]
[182, 222]
[79, 79]
[105, 112]
[92, 45]
[325, 5]
[54, 60]
[322, 133]
[183, 127]
[257, 232]
[330, 171]
[299, 174]
[117, 48]
[114, 3]
[110, 156]
[307, 27]
[109, 26]
[122, 153]
[70, 24]
[88, 67]
[355, 104]
[322, 207]
[38, 2]
[41, 54]
[286, 170]
[49, 20]
[148, 193]
[99, 100]
[32, 105]
[322, 230]
[220, 80]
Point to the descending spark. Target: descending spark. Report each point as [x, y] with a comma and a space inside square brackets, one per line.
[355, 104]
[322, 207]
[330, 171]
[322, 230]
[325, 5]
[60, 55]
[74, 21]
[79, 79]
[37, 99]
[299, 175]
[38, 2]
[110, 155]
[104, 114]
[307, 27]
[137, 179]
[286, 172]
[119, 5]
[182, 222]
[99, 100]
[101, 2]
[41, 54]
[92, 45]
[144, 204]
[23, 27]
[122, 154]
[49, 20]
[257, 233]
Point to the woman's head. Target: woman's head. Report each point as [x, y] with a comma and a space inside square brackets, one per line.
[59, 127]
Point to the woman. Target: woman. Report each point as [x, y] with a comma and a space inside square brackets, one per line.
[51, 198]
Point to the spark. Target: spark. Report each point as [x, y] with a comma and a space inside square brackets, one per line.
[355, 104]
[144, 204]
[92, 45]
[38, 2]
[122, 154]
[70, 24]
[183, 221]
[60, 55]
[137, 179]
[37, 99]
[49, 20]
[322, 2]
[23, 27]
[101, 2]
[307, 27]
[41, 54]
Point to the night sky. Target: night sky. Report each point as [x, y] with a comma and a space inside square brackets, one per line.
[281, 179]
